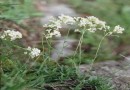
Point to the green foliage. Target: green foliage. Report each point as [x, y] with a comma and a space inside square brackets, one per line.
[100, 83]
[22, 77]
[17, 10]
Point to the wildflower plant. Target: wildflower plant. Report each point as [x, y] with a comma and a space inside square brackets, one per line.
[52, 29]
[82, 24]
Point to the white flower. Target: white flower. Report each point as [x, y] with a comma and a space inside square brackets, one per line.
[52, 33]
[33, 52]
[56, 24]
[11, 34]
[53, 23]
[83, 22]
[93, 19]
[77, 30]
[118, 29]
[66, 19]
[100, 24]
[57, 33]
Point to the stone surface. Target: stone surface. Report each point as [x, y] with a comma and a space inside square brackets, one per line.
[118, 71]
[63, 48]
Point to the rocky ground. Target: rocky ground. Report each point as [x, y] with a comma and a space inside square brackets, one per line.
[117, 71]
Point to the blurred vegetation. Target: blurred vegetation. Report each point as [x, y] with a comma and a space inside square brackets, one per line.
[17, 10]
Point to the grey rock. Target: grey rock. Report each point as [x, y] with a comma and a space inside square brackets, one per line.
[63, 48]
[116, 70]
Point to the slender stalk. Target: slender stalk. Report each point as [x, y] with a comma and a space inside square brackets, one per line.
[98, 50]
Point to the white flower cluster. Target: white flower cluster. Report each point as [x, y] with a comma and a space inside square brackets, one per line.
[67, 19]
[11, 34]
[33, 52]
[92, 23]
[53, 33]
[55, 24]
[89, 23]
[118, 29]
